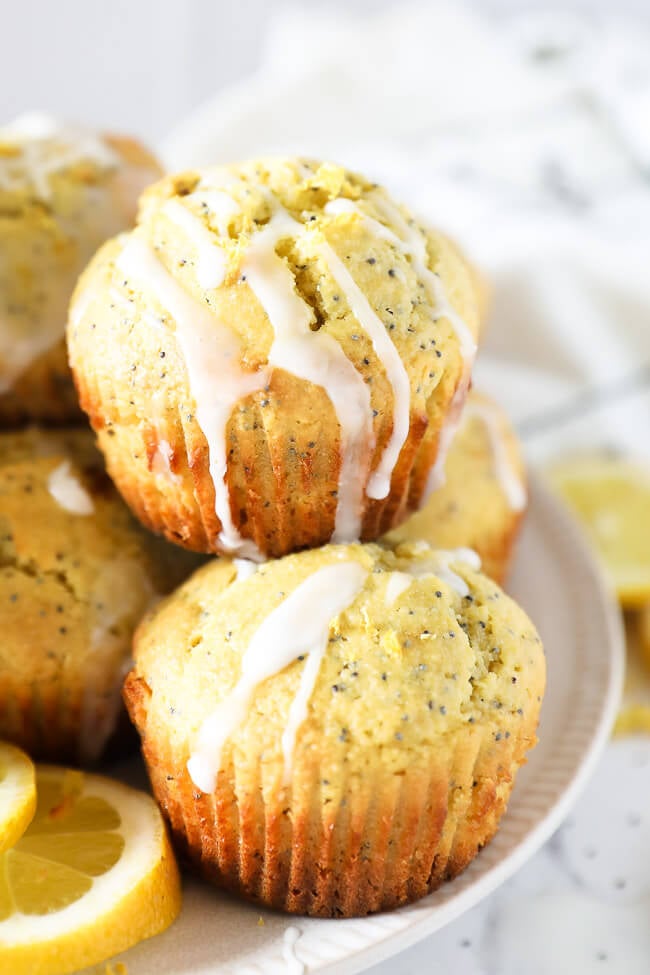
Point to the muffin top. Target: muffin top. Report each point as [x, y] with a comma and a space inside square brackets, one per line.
[271, 267]
[63, 191]
[349, 653]
[76, 571]
[484, 489]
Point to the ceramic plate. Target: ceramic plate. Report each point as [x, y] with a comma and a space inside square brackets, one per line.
[556, 581]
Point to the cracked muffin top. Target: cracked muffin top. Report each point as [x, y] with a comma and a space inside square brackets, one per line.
[278, 333]
[63, 191]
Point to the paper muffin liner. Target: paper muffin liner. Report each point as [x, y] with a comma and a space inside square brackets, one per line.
[63, 721]
[363, 843]
[283, 477]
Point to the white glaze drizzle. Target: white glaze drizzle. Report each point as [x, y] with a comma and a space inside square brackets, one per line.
[299, 626]
[439, 565]
[209, 350]
[161, 462]
[398, 582]
[48, 146]
[436, 477]
[212, 259]
[315, 357]
[68, 491]
[245, 568]
[380, 479]
[312, 356]
[221, 206]
[511, 483]
[412, 244]
[291, 960]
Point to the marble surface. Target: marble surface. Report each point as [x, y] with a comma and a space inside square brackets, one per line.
[581, 905]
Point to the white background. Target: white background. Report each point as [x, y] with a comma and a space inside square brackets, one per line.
[139, 65]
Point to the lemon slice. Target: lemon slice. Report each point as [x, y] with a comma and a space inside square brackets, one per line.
[93, 874]
[17, 794]
[611, 497]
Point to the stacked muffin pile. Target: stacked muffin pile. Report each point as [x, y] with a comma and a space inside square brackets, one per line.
[276, 362]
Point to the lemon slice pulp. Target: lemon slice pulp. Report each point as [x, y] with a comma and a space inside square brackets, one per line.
[611, 497]
[92, 875]
[17, 794]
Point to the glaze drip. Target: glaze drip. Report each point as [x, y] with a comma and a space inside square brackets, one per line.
[398, 582]
[449, 429]
[315, 357]
[380, 479]
[46, 147]
[412, 243]
[298, 627]
[68, 491]
[438, 564]
[511, 482]
[212, 263]
[209, 350]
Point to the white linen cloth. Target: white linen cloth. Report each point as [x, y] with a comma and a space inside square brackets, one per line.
[527, 137]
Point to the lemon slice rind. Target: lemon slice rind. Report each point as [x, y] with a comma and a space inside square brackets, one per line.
[135, 899]
[17, 795]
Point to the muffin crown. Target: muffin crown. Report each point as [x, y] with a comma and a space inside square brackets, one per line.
[406, 647]
[307, 292]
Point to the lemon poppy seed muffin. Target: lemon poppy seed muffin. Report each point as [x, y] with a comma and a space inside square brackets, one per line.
[338, 731]
[63, 192]
[269, 359]
[76, 574]
[483, 498]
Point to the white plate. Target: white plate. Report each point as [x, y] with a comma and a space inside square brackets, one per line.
[556, 581]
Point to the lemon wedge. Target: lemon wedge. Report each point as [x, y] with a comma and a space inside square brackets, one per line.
[17, 794]
[611, 497]
[93, 874]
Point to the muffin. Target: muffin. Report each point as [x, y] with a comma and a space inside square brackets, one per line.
[339, 731]
[62, 193]
[483, 498]
[76, 574]
[271, 358]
